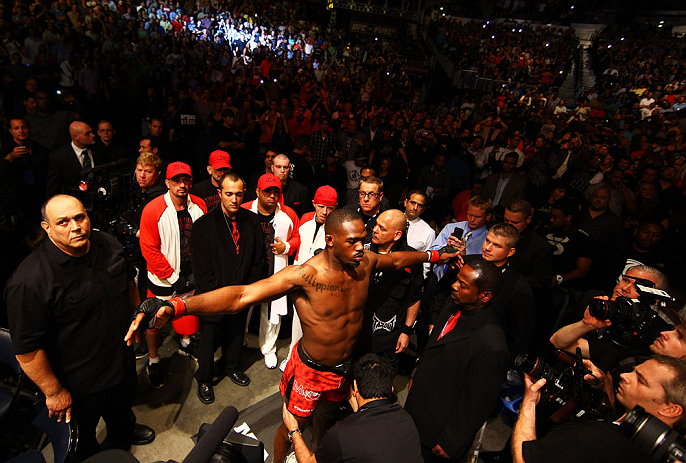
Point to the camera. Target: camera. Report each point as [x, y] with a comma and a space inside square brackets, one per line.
[565, 392]
[653, 437]
[635, 322]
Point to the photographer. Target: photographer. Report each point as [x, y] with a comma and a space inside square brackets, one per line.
[589, 333]
[656, 385]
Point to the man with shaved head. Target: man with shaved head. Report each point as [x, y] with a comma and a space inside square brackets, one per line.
[394, 297]
[69, 304]
[294, 193]
[67, 163]
[329, 292]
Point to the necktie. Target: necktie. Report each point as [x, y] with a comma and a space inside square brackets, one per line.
[235, 234]
[86, 160]
[450, 324]
[466, 238]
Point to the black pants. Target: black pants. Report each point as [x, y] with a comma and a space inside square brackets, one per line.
[228, 333]
[114, 406]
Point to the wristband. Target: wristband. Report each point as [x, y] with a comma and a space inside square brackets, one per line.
[408, 330]
[433, 256]
[179, 306]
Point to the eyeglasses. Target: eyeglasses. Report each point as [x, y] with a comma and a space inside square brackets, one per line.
[364, 194]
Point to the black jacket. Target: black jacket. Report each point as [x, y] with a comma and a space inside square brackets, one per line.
[533, 258]
[64, 170]
[213, 254]
[457, 383]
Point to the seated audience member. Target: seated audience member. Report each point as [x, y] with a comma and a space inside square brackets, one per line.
[505, 186]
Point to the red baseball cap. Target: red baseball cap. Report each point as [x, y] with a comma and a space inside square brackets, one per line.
[326, 196]
[268, 181]
[220, 160]
[178, 168]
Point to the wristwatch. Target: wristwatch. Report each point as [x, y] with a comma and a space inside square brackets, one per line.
[559, 279]
[290, 434]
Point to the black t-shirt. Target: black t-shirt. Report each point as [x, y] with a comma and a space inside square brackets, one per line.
[268, 233]
[77, 310]
[379, 432]
[583, 441]
[185, 225]
[208, 192]
[568, 248]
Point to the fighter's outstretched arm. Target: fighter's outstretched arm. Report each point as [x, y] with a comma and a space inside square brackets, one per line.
[400, 260]
[226, 300]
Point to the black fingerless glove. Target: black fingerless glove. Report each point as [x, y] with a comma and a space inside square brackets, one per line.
[149, 308]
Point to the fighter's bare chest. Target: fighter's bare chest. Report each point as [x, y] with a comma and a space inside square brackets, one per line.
[322, 286]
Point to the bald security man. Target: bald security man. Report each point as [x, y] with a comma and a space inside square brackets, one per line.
[66, 163]
[394, 296]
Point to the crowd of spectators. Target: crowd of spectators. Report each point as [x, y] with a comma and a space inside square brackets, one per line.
[602, 180]
[510, 52]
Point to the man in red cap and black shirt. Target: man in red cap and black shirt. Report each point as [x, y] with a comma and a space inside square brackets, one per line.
[165, 238]
[311, 232]
[281, 239]
[208, 189]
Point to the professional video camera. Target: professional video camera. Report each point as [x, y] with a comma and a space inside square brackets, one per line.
[653, 437]
[635, 322]
[104, 191]
[565, 392]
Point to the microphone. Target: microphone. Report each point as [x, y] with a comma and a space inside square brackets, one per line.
[214, 436]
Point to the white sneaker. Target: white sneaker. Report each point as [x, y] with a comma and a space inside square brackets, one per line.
[283, 364]
[270, 361]
[291, 458]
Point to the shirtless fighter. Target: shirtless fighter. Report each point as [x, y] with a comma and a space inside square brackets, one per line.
[329, 292]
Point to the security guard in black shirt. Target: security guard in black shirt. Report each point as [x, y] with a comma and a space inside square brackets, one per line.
[394, 297]
[69, 306]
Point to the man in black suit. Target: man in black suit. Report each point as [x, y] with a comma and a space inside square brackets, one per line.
[534, 261]
[514, 304]
[67, 162]
[504, 186]
[227, 248]
[458, 380]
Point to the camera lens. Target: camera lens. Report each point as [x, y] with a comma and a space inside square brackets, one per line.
[653, 437]
[534, 367]
[602, 310]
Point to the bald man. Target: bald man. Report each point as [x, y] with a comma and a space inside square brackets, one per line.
[394, 297]
[294, 193]
[69, 304]
[67, 163]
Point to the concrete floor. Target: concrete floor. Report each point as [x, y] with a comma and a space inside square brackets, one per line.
[175, 412]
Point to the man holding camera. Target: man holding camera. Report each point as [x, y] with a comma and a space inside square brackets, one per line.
[656, 385]
[605, 353]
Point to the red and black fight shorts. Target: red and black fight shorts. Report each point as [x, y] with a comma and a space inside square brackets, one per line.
[305, 382]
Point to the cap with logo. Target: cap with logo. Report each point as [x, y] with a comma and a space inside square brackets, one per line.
[178, 168]
[326, 196]
[220, 160]
[268, 181]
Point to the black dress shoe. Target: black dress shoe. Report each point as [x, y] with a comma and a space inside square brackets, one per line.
[205, 393]
[238, 377]
[142, 435]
